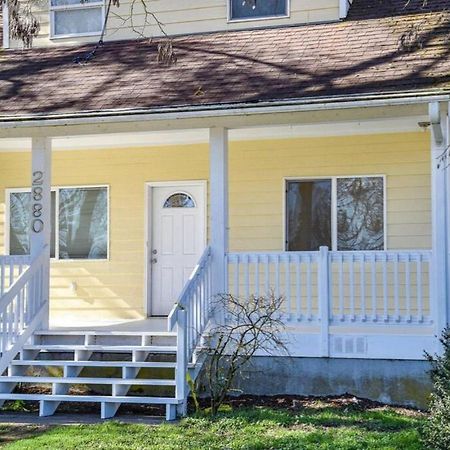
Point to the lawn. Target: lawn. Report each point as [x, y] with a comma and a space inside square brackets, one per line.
[317, 425]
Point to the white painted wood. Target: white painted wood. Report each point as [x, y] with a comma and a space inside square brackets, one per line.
[6, 32]
[181, 369]
[90, 398]
[439, 207]
[218, 142]
[390, 294]
[324, 300]
[177, 241]
[344, 6]
[41, 172]
[63, 363]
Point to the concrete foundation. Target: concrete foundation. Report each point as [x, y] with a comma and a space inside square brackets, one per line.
[395, 382]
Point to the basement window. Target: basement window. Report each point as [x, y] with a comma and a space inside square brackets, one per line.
[76, 17]
[342, 213]
[79, 223]
[257, 9]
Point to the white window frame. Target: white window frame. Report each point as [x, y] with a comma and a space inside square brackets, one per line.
[253, 19]
[53, 9]
[334, 231]
[56, 189]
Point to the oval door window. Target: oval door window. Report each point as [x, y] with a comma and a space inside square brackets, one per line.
[179, 200]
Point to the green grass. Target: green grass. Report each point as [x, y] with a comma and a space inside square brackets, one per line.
[318, 427]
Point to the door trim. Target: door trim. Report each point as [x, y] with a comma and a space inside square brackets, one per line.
[148, 230]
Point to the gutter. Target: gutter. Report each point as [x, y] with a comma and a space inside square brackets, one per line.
[224, 110]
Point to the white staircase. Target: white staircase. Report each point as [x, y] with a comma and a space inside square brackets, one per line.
[111, 367]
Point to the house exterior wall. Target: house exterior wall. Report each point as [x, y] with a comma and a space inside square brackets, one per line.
[186, 17]
[114, 289]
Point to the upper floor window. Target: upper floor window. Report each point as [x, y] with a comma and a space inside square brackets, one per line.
[76, 17]
[258, 9]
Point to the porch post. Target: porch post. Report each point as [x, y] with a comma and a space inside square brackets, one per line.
[41, 213]
[218, 160]
[439, 261]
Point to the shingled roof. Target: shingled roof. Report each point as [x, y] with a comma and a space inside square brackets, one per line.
[382, 47]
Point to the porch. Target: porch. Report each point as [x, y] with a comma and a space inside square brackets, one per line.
[364, 304]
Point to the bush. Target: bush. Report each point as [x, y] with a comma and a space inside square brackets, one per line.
[436, 432]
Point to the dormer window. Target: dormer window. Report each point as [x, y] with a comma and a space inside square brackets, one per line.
[257, 9]
[76, 17]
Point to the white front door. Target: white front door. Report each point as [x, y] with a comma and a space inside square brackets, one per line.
[177, 240]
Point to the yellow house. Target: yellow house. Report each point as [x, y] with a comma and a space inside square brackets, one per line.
[297, 147]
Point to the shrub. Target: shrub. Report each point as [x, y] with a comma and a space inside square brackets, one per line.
[436, 432]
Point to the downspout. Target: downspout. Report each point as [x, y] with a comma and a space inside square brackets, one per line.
[5, 25]
[344, 6]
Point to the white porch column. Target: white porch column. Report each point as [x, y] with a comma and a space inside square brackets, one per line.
[439, 208]
[41, 210]
[218, 162]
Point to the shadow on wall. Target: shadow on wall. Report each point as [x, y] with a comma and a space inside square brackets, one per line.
[94, 293]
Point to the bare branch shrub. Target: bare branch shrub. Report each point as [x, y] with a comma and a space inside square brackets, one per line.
[252, 325]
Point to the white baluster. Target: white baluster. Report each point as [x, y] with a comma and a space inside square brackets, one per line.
[419, 288]
[298, 283]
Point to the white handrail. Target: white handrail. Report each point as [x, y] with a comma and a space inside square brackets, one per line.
[22, 308]
[11, 266]
[183, 298]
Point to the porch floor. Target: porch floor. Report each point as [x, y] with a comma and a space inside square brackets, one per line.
[149, 324]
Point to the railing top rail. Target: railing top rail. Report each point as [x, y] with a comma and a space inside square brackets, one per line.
[369, 255]
[182, 298]
[15, 259]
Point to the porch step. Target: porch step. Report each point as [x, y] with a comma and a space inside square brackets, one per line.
[102, 348]
[82, 380]
[92, 398]
[104, 333]
[90, 363]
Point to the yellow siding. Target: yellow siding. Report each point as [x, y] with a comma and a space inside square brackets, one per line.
[187, 16]
[114, 288]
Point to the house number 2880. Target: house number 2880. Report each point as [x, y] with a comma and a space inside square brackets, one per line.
[37, 224]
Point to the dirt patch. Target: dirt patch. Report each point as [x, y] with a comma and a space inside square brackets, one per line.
[283, 402]
[10, 433]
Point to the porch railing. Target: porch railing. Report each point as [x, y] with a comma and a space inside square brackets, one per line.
[10, 269]
[22, 304]
[190, 317]
[339, 287]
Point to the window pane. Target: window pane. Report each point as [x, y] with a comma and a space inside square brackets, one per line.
[308, 215]
[83, 223]
[77, 21]
[360, 213]
[73, 2]
[179, 200]
[242, 9]
[19, 224]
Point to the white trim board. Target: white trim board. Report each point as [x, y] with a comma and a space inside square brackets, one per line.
[201, 136]
[148, 229]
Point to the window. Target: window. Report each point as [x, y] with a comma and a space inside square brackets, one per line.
[257, 9]
[79, 219]
[76, 17]
[179, 200]
[340, 213]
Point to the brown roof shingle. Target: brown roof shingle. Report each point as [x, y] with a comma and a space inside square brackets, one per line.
[360, 55]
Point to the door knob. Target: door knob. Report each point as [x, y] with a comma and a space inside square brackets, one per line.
[155, 252]
[154, 260]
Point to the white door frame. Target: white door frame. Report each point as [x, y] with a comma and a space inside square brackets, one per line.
[148, 220]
